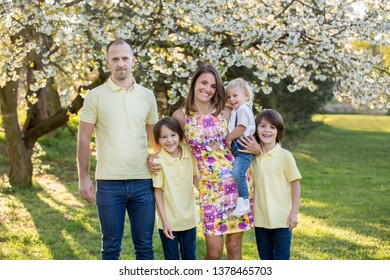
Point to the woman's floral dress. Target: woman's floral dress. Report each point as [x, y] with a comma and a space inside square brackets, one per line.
[217, 190]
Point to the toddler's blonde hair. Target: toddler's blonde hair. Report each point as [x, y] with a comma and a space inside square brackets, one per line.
[239, 82]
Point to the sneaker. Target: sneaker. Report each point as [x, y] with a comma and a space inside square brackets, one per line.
[242, 207]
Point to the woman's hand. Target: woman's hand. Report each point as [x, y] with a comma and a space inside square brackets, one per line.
[228, 143]
[250, 145]
[152, 164]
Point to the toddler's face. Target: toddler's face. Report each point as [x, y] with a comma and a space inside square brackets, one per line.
[236, 96]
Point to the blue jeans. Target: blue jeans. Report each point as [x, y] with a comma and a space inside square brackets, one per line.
[273, 244]
[113, 199]
[240, 166]
[186, 239]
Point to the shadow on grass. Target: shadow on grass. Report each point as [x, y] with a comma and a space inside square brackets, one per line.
[346, 185]
[69, 229]
[68, 232]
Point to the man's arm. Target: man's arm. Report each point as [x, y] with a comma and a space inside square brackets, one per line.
[149, 131]
[83, 155]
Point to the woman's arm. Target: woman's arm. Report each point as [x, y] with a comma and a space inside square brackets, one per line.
[237, 132]
[250, 145]
[179, 116]
[196, 181]
[227, 111]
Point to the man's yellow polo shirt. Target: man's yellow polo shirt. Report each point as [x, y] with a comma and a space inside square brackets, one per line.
[176, 181]
[120, 118]
[272, 174]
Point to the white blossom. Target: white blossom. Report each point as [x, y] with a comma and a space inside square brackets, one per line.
[170, 38]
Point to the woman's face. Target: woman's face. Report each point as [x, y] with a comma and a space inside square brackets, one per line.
[205, 87]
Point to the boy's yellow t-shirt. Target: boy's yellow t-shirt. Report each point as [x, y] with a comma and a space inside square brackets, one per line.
[176, 181]
[272, 174]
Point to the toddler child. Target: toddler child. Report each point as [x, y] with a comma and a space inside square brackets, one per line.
[242, 122]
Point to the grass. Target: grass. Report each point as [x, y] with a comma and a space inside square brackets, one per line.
[344, 213]
[345, 206]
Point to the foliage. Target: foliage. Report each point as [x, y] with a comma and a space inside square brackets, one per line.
[275, 39]
[295, 107]
[382, 50]
[53, 52]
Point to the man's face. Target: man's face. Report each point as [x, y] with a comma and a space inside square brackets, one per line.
[120, 60]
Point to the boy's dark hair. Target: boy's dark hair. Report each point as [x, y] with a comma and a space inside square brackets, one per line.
[169, 122]
[275, 119]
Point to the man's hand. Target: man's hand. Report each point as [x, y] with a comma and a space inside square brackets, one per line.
[86, 190]
[152, 164]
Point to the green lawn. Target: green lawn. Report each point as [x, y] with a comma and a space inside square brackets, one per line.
[344, 213]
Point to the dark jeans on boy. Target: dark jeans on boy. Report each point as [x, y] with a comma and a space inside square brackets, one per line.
[273, 244]
[185, 240]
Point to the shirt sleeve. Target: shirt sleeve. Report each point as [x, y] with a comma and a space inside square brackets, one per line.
[290, 168]
[153, 113]
[90, 107]
[245, 117]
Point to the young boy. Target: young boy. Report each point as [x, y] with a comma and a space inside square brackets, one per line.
[242, 122]
[277, 189]
[174, 192]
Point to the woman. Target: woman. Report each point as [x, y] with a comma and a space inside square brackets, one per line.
[204, 121]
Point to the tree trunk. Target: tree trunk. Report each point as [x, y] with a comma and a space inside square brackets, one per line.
[21, 168]
[20, 145]
[53, 99]
[43, 117]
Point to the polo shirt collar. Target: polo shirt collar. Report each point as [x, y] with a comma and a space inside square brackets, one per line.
[275, 150]
[167, 157]
[115, 88]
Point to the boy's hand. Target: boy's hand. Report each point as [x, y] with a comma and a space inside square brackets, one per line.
[168, 232]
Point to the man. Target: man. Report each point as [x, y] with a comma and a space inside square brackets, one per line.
[122, 113]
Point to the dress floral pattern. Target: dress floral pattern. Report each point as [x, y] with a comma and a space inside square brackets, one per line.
[217, 190]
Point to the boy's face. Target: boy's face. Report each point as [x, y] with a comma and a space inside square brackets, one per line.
[267, 132]
[169, 141]
[236, 96]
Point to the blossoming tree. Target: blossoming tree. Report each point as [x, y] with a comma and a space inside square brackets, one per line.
[52, 52]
